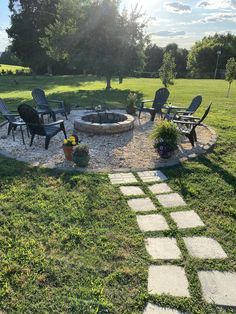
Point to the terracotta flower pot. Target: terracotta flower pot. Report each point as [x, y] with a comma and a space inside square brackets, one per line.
[68, 151]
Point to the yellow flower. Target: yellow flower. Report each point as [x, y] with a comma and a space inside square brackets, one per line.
[65, 141]
[73, 143]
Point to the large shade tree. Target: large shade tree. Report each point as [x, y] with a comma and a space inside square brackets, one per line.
[29, 18]
[203, 55]
[98, 37]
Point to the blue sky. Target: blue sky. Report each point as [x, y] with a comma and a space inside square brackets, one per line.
[182, 22]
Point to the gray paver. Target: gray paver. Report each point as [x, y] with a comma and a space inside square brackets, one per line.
[154, 309]
[122, 178]
[218, 287]
[203, 247]
[131, 190]
[187, 219]
[152, 176]
[153, 222]
[168, 280]
[160, 188]
[171, 200]
[163, 248]
[141, 204]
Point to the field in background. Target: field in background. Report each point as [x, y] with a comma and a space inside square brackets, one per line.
[13, 68]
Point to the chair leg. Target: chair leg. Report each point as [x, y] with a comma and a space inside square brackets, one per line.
[22, 135]
[190, 136]
[9, 128]
[54, 116]
[63, 130]
[13, 134]
[47, 141]
[153, 115]
[32, 139]
[139, 114]
[66, 116]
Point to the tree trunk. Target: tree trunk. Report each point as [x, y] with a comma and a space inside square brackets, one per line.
[108, 79]
[49, 69]
[228, 90]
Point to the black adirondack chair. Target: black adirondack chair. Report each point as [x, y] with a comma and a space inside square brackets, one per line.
[43, 107]
[188, 124]
[36, 126]
[158, 103]
[192, 108]
[13, 119]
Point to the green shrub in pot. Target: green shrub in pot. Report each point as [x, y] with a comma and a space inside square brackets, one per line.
[81, 155]
[165, 135]
[131, 103]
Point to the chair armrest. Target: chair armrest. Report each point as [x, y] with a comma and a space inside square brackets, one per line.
[144, 101]
[12, 115]
[188, 117]
[185, 122]
[55, 123]
[56, 101]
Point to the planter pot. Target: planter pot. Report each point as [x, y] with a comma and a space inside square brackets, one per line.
[81, 161]
[68, 151]
[164, 150]
[131, 110]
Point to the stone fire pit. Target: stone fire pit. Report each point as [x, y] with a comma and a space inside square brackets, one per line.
[104, 123]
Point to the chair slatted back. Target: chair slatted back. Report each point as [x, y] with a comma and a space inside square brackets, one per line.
[195, 103]
[40, 99]
[160, 99]
[6, 112]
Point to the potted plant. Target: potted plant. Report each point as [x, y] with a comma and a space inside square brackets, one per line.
[165, 135]
[68, 146]
[81, 155]
[131, 103]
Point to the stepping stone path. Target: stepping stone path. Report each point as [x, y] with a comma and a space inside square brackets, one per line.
[152, 176]
[141, 204]
[152, 223]
[168, 280]
[217, 287]
[160, 188]
[131, 190]
[187, 219]
[171, 200]
[203, 247]
[153, 309]
[163, 248]
[122, 178]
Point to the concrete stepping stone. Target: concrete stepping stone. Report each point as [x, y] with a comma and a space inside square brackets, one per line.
[203, 247]
[141, 204]
[171, 200]
[160, 188]
[218, 287]
[131, 190]
[187, 219]
[152, 176]
[122, 178]
[152, 223]
[163, 248]
[168, 280]
[154, 309]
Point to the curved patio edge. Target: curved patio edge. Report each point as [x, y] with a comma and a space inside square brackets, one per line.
[160, 164]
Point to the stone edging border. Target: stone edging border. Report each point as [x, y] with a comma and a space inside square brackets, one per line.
[161, 164]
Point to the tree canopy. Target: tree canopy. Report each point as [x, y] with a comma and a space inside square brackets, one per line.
[167, 70]
[98, 36]
[29, 18]
[203, 55]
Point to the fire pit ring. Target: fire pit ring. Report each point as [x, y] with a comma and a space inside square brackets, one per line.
[104, 123]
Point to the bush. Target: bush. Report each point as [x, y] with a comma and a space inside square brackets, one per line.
[81, 155]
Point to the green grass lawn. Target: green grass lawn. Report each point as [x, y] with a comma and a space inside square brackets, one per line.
[70, 244]
[13, 68]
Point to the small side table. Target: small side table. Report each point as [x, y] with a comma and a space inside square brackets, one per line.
[19, 124]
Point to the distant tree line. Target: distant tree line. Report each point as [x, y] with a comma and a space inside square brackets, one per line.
[85, 36]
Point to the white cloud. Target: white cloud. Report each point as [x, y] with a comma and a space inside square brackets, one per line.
[217, 4]
[169, 33]
[177, 7]
[219, 17]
